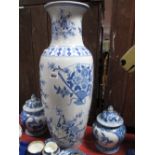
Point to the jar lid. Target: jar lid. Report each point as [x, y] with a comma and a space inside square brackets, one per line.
[33, 104]
[110, 118]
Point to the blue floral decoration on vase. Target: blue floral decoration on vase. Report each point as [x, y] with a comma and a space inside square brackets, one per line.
[63, 26]
[77, 82]
[71, 129]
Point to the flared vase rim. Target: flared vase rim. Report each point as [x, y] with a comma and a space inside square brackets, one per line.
[65, 3]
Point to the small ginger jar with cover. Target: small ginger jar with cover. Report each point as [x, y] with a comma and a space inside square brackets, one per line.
[32, 117]
[109, 131]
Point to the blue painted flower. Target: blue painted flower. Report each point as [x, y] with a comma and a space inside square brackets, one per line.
[85, 71]
[84, 85]
[71, 129]
[63, 27]
[78, 80]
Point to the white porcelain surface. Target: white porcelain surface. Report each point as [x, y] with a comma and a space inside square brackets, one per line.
[66, 75]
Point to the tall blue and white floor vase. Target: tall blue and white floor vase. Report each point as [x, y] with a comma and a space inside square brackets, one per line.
[66, 74]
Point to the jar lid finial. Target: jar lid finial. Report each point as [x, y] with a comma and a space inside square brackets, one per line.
[33, 97]
[33, 104]
[110, 108]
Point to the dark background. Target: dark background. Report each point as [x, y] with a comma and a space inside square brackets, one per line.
[110, 19]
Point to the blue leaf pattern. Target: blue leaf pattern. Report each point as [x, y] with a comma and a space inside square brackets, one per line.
[63, 27]
[78, 82]
[71, 128]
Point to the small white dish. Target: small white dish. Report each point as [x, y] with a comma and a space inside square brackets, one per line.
[35, 148]
[51, 148]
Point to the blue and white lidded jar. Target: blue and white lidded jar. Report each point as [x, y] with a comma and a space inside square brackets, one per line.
[66, 74]
[109, 131]
[32, 117]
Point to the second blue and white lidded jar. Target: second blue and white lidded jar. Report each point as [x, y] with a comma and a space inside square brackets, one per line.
[109, 131]
[32, 117]
[66, 74]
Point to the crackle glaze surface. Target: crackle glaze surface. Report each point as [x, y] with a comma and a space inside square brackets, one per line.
[66, 76]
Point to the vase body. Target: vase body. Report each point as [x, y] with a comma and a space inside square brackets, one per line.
[66, 75]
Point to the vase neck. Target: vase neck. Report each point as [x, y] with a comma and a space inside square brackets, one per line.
[66, 25]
